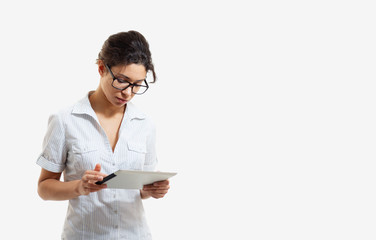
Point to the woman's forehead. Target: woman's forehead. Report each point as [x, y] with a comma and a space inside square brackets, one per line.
[131, 71]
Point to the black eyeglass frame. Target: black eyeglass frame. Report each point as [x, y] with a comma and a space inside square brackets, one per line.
[130, 84]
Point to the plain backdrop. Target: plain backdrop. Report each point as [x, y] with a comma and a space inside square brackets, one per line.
[266, 109]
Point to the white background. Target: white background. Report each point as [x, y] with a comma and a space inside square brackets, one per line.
[265, 108]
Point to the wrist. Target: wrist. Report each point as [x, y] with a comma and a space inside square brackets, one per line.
[144, 194]
[77, 190]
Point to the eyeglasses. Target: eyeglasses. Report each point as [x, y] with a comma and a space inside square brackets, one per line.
[121, 84]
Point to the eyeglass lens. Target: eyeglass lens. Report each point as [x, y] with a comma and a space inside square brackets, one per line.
[136, 89]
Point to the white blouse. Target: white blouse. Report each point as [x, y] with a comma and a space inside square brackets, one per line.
[75, 142]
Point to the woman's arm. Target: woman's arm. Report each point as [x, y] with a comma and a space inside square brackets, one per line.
[51, 188]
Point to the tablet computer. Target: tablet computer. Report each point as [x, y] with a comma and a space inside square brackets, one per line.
[129, 179]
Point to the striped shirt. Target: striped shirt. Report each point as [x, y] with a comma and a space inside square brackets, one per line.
[74, 143]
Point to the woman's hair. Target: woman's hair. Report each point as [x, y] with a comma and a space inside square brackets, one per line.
[126, 48]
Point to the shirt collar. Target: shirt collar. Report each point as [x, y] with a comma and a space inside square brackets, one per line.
[84, 107]
[133, 112]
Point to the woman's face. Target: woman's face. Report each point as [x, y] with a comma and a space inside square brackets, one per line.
[132, 73]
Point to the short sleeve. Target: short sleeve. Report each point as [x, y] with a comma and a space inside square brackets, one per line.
[54, 152]
[151, 155]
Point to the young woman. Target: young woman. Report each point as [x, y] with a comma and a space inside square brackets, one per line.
[102, 133]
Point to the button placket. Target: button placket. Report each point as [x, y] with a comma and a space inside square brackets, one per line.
[113, 160]
[115, 210]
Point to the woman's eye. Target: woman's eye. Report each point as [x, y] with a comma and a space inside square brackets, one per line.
[122, 80]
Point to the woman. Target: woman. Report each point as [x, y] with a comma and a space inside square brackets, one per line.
[102, 133]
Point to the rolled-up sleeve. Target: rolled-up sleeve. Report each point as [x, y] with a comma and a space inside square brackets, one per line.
[54, 152]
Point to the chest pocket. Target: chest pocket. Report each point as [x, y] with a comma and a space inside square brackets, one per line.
[85, 157]
[136, 155]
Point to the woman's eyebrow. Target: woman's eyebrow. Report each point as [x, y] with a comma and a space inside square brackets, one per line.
[124, 76]
[130, 78]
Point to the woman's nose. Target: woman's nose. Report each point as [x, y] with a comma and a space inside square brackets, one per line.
[127, 91]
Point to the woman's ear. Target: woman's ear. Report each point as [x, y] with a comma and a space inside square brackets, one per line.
[101, 68]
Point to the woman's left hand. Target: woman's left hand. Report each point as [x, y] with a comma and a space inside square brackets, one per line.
[155, 190]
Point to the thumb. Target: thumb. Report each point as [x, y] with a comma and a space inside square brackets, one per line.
[97, 167]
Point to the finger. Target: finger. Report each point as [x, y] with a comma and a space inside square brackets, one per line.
[92, 177]
[157, 191]
[148, 187]
[97, 167]
[161, 187]
[164, 191]
[158, 195]
[96, 188]
[95, 173]
[161, 183]
[156, 188]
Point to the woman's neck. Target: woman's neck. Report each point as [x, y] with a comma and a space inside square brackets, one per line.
[102, 106]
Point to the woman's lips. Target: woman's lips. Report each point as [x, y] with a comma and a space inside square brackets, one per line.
[120, 100]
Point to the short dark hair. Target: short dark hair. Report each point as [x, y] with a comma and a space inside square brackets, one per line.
[126, 48]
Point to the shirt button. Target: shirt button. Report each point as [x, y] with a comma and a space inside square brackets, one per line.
[113, 164]
[115, 211]
[116, 226]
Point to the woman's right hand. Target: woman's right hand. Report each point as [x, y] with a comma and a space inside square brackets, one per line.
[87, 183]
